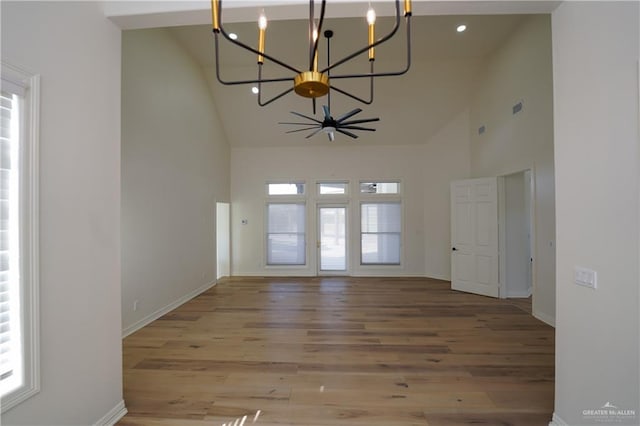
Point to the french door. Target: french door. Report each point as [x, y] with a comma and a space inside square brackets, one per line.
[332, 240]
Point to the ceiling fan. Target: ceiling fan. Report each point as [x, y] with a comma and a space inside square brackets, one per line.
[330, 125]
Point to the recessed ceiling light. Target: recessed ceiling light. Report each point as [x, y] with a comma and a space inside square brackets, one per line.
[461, 28]
[233, 36]
[255, 90]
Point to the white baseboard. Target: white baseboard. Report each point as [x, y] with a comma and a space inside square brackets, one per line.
[384, 274]
[360, 273]
[519, 294]
[112, 417]
[557, 421]
[164, 310]
[438, 277]
[545, 318]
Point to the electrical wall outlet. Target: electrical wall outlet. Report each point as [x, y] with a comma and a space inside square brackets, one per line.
[585, 277]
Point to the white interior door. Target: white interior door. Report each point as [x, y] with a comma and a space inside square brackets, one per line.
[332, 240]
[474, 236]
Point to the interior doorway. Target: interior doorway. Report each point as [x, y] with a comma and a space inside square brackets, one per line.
[517, 226]
[223, 240]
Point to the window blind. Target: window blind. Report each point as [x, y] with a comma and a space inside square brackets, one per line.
[286, 234]
[8, 231]
[381, 225]
[19, 292]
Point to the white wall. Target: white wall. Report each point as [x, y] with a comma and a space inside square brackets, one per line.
[446, 158]
[175, 165]
[521, 70]
[425, 172]
[77, 53]
[595, 53]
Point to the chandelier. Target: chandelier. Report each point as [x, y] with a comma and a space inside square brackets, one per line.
[313, 82]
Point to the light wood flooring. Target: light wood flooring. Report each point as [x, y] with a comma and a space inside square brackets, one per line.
[340, 351]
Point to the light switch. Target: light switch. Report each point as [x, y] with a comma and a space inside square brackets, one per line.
[585, 277]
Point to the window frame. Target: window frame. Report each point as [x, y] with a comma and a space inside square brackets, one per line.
[380, 194]
[288, 182]
[319, 184]
[14, 79]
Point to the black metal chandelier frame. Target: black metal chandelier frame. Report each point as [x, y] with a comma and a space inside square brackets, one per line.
[324, 74]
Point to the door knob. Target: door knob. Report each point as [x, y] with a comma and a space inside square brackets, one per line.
[454, 249]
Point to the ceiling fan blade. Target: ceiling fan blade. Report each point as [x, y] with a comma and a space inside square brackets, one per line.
[332, 136]
[347, 115]
[364, 120]
[296, 124]
[302, 130]
[314, 133]
[306, 116]
[327, 113]
[353, 135]
[358, 128]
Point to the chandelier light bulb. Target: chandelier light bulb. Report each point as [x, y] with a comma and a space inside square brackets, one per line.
[371, 16]
[262, 21]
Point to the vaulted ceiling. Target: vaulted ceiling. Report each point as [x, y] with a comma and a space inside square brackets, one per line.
[412, 108]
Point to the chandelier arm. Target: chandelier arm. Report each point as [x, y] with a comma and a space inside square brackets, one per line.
[246, 47]
[314, 48]
[251, 49]
[286, 92]
[390, 73]
[260, 81]
[354, 97]
[377, 43]
[232, 83]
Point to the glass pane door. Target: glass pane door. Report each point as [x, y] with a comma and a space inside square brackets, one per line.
[332, 244]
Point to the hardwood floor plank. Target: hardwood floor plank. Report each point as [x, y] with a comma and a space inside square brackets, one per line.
[340, 351]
